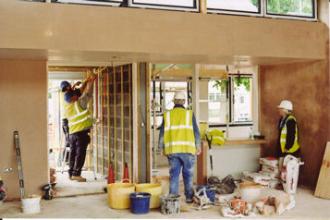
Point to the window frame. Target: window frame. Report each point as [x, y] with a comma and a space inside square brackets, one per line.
[194, 8]
[293, 17]
[92, 2]
[230, 94]
[238, 12]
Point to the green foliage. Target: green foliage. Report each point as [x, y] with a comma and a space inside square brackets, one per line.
[255, 2]
[245, 81]
[290, 6]
[222, 84]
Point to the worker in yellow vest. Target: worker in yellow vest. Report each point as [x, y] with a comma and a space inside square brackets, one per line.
[288, 131]
[180, 140]
[80, 123]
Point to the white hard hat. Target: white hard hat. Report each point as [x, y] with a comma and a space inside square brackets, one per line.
[286, 104]
[179, 95]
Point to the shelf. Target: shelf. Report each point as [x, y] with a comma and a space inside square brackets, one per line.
[238, 142]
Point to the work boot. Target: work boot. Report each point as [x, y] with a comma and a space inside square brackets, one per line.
[78, 178]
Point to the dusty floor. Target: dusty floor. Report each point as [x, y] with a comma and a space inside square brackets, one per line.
[95, 206]
[66, 187]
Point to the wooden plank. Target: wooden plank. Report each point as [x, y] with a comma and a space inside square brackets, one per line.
[323, 183]
[135, 127]
[130, 120]
[202, 164]
[115, 118]
[203, 6]
[244, 142]
[148, 124]
[122, 119]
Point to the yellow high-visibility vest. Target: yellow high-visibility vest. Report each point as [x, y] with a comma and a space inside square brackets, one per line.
[79, 119]
[178, 132]
[284, 131]
[217, 136]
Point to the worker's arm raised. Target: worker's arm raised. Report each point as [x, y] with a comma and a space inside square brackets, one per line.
[88, 92]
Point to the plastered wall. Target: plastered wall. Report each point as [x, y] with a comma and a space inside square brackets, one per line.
[307, 86]
[66, 30]
[23, 107]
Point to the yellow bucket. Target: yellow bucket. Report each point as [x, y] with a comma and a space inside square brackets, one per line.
[155, 189]
[118, 195]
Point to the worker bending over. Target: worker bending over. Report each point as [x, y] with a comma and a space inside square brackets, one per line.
[80, 123]
[180, 140]
[288, 131]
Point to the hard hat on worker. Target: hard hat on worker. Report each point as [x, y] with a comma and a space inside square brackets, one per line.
[286, 104]
[179, 95]
[64, 85]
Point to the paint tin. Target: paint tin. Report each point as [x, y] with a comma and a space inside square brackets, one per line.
[170, 204]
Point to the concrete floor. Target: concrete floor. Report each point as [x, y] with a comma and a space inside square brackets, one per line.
[95, 206]
[66, 187]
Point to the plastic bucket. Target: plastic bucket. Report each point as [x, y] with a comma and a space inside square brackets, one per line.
[140, 202]
[155, 189]
[210, 192]
[31, 204]
[170, 204]
[118, 195]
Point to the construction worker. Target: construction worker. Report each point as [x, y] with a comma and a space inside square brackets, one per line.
[80, 123]
[288, 131]
[180, 140]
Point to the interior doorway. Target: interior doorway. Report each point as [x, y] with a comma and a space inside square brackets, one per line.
[58, 149]
[162, 91]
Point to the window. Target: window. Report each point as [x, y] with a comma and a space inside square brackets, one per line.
[242, 99]
[293, 8]
[230, 98]
[162, 95]
[217, 105]
[189, 5]
[247, 6]
[93, 2]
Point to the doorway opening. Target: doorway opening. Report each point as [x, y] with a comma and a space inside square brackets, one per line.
[58, 145]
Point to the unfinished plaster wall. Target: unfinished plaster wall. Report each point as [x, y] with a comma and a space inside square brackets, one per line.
[71, 30]
[23, 89]
[306, 85]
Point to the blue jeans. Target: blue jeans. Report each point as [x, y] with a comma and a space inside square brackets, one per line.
[186, 162]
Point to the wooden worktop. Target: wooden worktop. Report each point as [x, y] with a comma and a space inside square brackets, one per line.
[245, 141]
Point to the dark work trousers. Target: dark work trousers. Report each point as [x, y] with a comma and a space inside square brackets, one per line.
[79, 142]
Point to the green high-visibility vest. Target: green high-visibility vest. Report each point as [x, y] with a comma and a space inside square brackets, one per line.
[178, 132]
[79, 119]
[295, 145]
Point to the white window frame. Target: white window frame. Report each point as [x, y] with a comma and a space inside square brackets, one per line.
[237, 12]
[263, 13]
[195, 8]
[92, 2]
[294, 17]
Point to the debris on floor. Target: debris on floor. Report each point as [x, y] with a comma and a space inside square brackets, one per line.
[268, 175]
[202, 197]
[252, 199]
[3, 194]
[225, 186]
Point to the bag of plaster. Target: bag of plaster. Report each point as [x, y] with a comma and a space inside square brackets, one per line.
[270, 169]
[270, 174]
[257, 178]
[269, 161]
